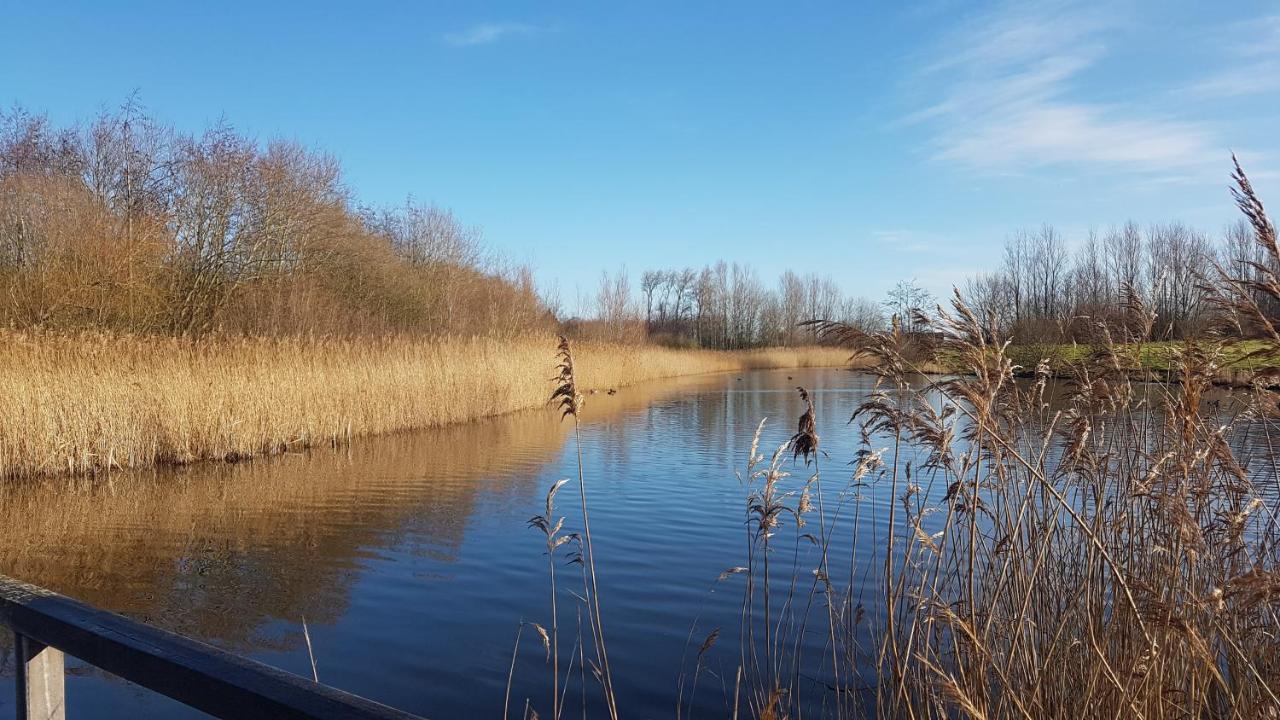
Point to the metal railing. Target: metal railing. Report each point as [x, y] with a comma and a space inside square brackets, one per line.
[47, 625]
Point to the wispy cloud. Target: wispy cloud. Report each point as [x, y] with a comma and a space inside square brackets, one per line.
[1012, 98]
[1256, 78]
[1262, 36]
[487, 33]
[1252, 64]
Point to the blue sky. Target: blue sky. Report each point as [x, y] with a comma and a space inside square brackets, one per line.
[870, 141]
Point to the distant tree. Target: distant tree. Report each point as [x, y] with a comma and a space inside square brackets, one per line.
[613, 302]
[863, 314]
[906, 301]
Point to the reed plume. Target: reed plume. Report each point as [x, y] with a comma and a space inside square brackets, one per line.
[805, 441]
[566, 390]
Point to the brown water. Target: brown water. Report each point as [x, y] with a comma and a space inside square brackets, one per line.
[410, 558]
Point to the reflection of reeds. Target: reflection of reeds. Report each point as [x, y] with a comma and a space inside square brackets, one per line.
[91, 402]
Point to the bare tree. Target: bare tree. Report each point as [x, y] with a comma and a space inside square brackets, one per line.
[613, 302]
[650, 281]
[906, 301]
[863, 314]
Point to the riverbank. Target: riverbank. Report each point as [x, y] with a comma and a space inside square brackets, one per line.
[88, 403]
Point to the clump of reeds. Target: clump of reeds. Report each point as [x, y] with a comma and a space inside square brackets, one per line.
[1089, 546]
[571, 402]
[765, 658]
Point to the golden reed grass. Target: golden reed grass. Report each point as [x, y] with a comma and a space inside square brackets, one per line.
[91, 402]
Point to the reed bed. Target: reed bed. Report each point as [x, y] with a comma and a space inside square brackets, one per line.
[90, 402]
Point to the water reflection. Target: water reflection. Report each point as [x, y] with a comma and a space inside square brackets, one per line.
[218, 550]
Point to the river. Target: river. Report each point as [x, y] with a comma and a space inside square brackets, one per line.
[410, 557]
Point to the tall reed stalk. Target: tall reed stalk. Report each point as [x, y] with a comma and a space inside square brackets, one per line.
[550, 526]
[571, 400]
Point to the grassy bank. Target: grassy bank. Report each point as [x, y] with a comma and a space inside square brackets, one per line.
[1237, 363]
[1153, 356]
[86, 403]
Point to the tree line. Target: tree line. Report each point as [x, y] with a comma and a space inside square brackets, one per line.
[122, 222]
[1045, 291]
[125, 223]
[721, 305]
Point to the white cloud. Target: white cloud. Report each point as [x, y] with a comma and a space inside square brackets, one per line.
[1253, 79]
[939, 280]
[1253, 61]
[1011, 91]
[1052, 133]
[487, 33]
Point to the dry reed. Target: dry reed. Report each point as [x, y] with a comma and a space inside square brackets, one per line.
[89, 402]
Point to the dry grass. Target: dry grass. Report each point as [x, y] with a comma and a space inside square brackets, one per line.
[85, 403]
[1099, 560]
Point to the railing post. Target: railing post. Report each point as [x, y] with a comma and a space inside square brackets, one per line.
[204, 677]
[39, 680]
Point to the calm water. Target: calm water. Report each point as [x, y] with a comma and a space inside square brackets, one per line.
[410, 558]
